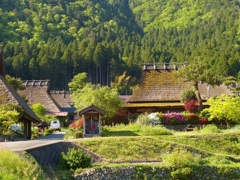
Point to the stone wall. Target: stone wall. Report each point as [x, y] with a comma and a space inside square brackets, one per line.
[49, 154]
[142, 172]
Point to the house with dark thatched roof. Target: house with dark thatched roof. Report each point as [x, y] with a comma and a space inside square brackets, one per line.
[160, 90]
[57, 103]
[66, 104]
[37, 91]
[10, 95]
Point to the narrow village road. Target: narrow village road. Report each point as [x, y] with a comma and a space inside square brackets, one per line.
[17, 145]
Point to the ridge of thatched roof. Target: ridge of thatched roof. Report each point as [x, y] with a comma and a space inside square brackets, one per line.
[36, 82]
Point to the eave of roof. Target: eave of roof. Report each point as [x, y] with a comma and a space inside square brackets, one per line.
[91, 108]
[157, 104]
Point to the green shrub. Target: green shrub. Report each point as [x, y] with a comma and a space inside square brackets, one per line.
[210, 128]
[13, 167]
[74, 159]
[69, 133]
[47, 132]
[213, 160]
[180, 158]
[35, 133]
[182, 173]
[155, 130]
[144, 120]
[78, 134]
[188, 94]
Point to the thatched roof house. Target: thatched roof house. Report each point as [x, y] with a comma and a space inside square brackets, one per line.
[57, 103]
[66, 103]
[160, 90]
[37, 91]
[9, 95]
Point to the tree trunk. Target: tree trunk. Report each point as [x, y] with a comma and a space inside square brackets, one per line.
[200, 107]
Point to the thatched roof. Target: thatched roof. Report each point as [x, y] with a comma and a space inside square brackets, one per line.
[63, 98]
[212, 91]
[159, 84]
[37, 91]
[160, 88]
[2, 70]
[13, 97]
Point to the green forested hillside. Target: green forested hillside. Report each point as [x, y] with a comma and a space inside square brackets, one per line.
[56, 39]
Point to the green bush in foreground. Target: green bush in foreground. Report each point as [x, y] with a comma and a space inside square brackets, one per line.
[210, 128]
[47, 132]
[69, 133]
[14, 167]
[74, 159]
[182, 173]
[77, 134]
[181, 158]
[155, 130]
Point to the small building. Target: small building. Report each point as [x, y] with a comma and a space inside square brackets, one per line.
[10, 95]
[91, 120]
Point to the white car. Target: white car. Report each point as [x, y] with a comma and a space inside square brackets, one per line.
[55, 125]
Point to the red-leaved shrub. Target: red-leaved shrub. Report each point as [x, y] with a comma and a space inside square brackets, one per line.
[203, 120]
[77, 124]
[192, 118]
[120, 117]
[191, 105]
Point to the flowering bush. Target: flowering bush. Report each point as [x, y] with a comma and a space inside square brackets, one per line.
[154, 118]
[173, 118]
[15, 128]
[77, 124]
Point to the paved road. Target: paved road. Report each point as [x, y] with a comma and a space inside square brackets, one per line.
[17, 145]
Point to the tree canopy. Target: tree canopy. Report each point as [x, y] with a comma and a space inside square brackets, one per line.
[196, 72]
[9, 114]
[16, 83]
[101, 96]
[56, 40]
[224, 108]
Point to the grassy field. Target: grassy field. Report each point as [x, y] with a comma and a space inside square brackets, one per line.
[126, 143]
[123, 145]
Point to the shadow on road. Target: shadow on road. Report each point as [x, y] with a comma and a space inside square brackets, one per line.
[54, 136]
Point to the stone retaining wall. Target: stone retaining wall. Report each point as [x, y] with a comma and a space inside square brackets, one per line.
[48, 155]
[136, 173]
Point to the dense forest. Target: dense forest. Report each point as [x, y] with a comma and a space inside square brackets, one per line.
[57, 39]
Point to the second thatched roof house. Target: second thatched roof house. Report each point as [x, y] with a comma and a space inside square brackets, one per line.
[160, 90]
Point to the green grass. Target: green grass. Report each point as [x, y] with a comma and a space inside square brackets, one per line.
[130, 143]
[134, 130]
[128, 148]
[14, 167]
